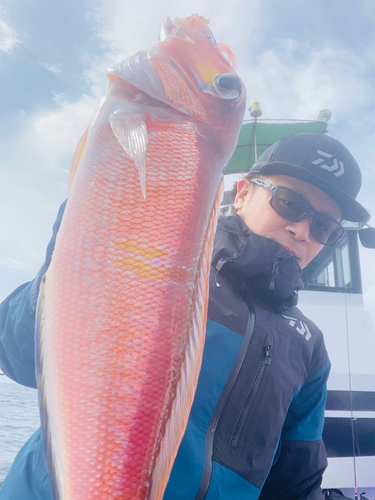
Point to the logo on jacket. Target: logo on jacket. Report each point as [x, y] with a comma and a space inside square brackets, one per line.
[300, 326]
[337, 167]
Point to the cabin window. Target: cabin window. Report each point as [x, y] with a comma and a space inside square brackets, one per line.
[336, 268]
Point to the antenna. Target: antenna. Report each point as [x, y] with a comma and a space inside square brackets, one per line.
[255, 111]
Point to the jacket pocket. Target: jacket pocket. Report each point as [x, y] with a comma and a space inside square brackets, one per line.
[264, 363]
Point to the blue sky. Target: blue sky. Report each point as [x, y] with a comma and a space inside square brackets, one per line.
[296, 57]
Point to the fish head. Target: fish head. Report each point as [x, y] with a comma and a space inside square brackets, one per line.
[185, 76]
[189, 46]
[208, 89]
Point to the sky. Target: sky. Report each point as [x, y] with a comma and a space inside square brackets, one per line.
[296, 57]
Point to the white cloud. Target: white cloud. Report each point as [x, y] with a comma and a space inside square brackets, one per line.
[55, 134]
[294, 80]
[56, 69]
[8, 37]
[128, 27]
[12, 263]
[33, 183]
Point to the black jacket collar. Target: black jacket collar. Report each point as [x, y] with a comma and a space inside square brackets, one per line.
[259, 268]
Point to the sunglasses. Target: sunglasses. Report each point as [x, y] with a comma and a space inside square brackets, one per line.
[293, 207]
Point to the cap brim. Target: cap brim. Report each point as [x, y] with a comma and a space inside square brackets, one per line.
[350, 208]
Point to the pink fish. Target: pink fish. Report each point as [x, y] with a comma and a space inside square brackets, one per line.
[122, 309]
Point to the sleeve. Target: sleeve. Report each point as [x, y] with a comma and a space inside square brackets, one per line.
[297, 471]
[28, 479]
[17, 322]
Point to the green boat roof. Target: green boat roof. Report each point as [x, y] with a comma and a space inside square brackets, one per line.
[267, 132]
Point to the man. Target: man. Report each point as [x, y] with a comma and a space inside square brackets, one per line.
[256, 424]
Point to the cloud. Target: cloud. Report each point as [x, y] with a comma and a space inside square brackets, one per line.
[8, 37]
[54, 134]
[56, 69]
[33, 183]
[12, 263]
[40, 150]
[296, 80]
[125, 28]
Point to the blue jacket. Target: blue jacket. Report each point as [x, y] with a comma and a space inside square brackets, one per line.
[256, 423]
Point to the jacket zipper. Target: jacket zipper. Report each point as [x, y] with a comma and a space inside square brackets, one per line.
[207, 470]
[266, 361]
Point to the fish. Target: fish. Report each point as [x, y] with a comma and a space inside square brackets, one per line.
[122, 308]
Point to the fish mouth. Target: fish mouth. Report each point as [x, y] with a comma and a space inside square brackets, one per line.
[227, 86]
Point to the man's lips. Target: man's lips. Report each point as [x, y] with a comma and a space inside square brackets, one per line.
[292, 252]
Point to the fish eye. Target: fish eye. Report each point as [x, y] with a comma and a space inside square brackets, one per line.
[227, 86]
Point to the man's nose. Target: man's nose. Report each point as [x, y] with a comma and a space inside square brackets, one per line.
[300, 230]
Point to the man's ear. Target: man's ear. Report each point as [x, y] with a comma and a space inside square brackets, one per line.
[244, 188]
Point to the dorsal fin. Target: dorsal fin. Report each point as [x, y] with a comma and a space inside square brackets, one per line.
[77, 158]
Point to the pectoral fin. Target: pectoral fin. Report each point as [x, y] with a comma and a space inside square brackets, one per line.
[131, 132]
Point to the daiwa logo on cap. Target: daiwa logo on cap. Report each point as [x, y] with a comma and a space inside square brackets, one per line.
[260, 163]
[337, 167]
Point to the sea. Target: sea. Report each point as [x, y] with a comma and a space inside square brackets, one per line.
[19, 419]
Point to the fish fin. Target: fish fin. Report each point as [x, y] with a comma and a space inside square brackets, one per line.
[45, 395]
[139, 70]
[165, 29]
[77, 158]
[187, 385]
[223, 47]
[131, 132]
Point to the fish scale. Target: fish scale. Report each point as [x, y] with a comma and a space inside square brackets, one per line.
[157, 230]
[123, 305]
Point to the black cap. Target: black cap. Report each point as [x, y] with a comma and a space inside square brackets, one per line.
[321, 161]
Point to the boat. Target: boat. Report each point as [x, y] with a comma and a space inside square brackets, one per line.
[332, 297]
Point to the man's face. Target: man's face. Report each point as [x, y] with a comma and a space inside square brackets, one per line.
[252, 205]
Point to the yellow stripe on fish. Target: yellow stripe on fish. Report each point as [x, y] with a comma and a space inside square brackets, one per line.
[144, 265]
[141, 249]
[154, 271]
